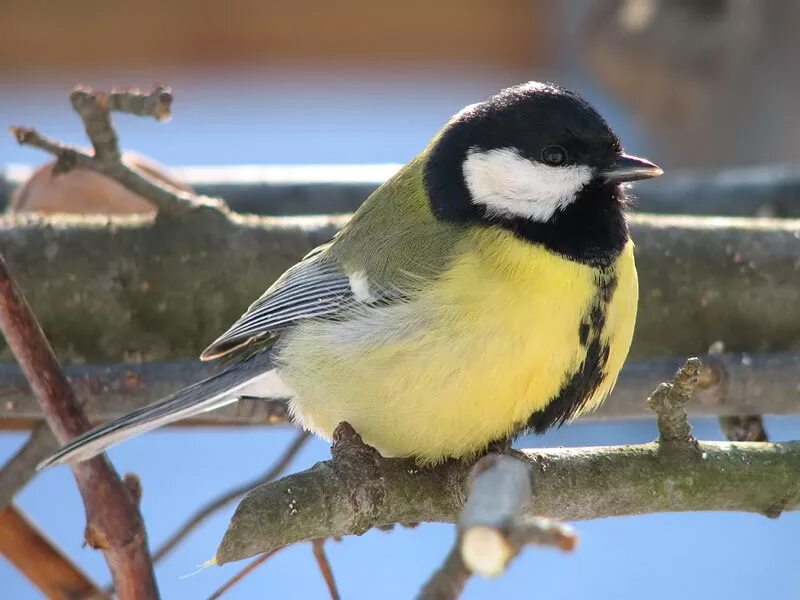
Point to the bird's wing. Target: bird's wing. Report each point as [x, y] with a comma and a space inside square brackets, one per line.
[392, 243]
[313, 288]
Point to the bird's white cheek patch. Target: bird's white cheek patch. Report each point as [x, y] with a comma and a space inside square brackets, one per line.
[510, 185]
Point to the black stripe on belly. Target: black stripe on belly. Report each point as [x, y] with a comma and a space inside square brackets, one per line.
[580, 385]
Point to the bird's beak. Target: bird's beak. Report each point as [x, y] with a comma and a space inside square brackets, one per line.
[630, 168]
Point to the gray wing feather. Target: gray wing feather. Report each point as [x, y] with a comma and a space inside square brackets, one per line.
[214, 392]
[312, 288]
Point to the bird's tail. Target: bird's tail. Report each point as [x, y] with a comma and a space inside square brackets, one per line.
[216, 391]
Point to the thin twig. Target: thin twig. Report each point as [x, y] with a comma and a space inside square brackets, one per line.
[669, 402]
[276, 470]
[243, 573]
[113, 521]
[94, 108]
[40, 560]
[318, 547]
[20, 468]
[537, 531]
[448, 581]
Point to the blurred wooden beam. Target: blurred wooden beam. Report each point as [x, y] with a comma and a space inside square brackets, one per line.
[45, 565]
[93, 34]
[735, 384]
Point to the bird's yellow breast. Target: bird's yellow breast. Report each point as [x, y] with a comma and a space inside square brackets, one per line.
[507, 330]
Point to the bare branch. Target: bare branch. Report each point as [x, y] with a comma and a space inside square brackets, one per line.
[344, 497]
[223, 500]
[318, 547]
[45, 565]
[134, 266]
[500, 491]
[448, 581]
[113, 521]
[20, 468]
[167, 200]
[94, 109]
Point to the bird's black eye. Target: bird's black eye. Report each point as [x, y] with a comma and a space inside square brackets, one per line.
[554, 155]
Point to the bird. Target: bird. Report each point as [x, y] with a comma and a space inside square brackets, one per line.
[487, 289]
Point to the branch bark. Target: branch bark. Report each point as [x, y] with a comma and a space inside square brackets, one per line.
[351, 497]
[729, 384]
[318, 548]
[94, 108]
[133, 289]
[669, 402]
[21, 467]
[45, 565]
[113, 521]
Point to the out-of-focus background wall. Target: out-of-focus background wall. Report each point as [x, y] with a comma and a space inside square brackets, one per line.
[692, 84]
[709, 83]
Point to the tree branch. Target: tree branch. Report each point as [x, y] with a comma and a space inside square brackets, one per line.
[21, 467]
[156, 287]
[95, 108]
[448, 581]
[45, 565]
[492, 530]
[318, 547]
[337, 498]
[113, 521]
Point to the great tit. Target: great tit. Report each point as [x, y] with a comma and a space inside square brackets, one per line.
[487, 288]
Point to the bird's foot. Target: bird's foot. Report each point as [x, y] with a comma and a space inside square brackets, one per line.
[347, 442]
[501, 446]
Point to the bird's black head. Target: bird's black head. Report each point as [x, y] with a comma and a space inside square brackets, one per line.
[539, 160]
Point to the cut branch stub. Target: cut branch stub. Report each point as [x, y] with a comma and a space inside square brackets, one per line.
[492, 526]
[669, 402]
[500, 490]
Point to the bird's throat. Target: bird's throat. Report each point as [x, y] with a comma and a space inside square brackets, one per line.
[591, 230]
